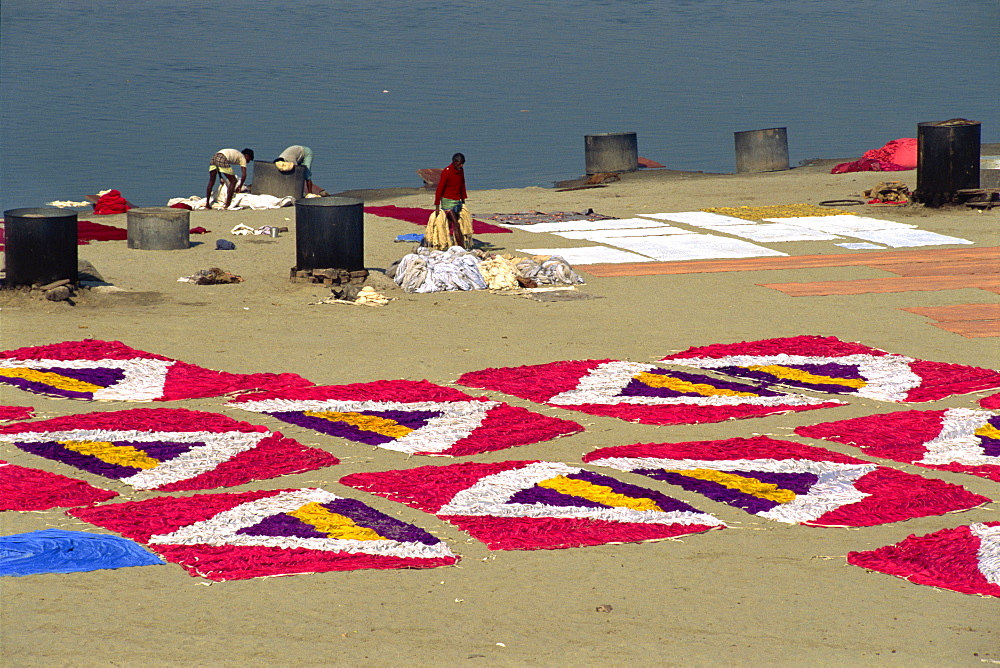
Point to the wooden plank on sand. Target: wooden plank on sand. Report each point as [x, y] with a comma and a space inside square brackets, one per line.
[972, 329]
[990, 266]
[957, 312]
[873, 285]
[865, 259]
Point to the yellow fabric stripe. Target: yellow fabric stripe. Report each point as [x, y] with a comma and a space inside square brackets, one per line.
[988, 431]
[745, 484]
[333, 524]
[56, 380]
[659, 380]
[806, 377]
[106, 451]
[599, 493]
[373, 423]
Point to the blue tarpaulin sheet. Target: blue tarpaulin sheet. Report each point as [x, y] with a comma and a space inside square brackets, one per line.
[58, 551]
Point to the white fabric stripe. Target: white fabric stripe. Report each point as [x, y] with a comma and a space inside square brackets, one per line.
[957, 442]
[490, 496]
[763, 465]
[213, 448]
[604, 384]
[887, 377]
[144, 379]
[989, 550]
[458, 419]
[835, 487]
[697, 218]
[221, 530]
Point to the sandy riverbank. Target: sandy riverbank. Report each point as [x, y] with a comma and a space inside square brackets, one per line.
[761, 592]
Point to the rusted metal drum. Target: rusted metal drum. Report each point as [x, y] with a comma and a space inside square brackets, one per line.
[158, 228]
[762, 150]
[269, 180]
[611, 152]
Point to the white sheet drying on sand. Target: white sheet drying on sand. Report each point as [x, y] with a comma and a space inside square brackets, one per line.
[861, 245]
[692, 247]
[600, 235]
[907, 238]
[846, 224]
[581, 225]
[240, 201]
[696, 218]
[588, 255]
[769, 232]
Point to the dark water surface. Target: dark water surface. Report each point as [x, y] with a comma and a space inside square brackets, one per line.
[139, 95]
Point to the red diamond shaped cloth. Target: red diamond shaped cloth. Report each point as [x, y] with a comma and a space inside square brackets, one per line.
[640, 392]
[270, 532]
[169, 449]
[827, 364]
[416, 417]
[23, 488]
[531, 505]
[963, 440]
[964, 559]
[111, 371]
[790, 482]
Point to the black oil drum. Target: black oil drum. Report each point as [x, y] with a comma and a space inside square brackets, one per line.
[947, 160]
[330, 233]
[41, 245]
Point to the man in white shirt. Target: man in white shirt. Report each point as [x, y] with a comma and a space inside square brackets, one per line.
[222, 164]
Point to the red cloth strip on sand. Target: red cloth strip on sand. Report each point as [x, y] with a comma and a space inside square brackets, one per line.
[419, 216]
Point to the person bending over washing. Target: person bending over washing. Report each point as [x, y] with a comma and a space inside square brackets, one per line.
[222, 164]
[450, 195]
[299, 155]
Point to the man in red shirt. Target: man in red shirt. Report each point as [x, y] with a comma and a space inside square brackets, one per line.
[450, 195]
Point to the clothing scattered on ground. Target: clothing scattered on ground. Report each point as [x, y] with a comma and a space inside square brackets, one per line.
[213, 276]
[224, 244]
[240, 201]
[415, 237]
[87, 231]
[896, 156]
[535, 217]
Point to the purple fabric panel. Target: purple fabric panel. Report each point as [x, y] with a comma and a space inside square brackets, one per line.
[411, 419]
[637, 388]
[282, 525]
[381, 523]
[846, 371]
[712, 490]
[667, 504]
[99, 376]
[89, 463]
[550, 497]
[161, 451]
[991, 446]
[42, 388]
[800, 483]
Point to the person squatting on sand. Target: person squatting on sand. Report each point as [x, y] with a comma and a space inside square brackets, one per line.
[222, 164]
[297, 155]
[450, 195]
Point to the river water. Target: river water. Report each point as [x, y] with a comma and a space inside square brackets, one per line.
[138, 96]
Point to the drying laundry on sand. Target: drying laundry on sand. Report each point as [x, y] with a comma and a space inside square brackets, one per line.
[896, 156]
[426, 270]
[240, 201]
[535, 217]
